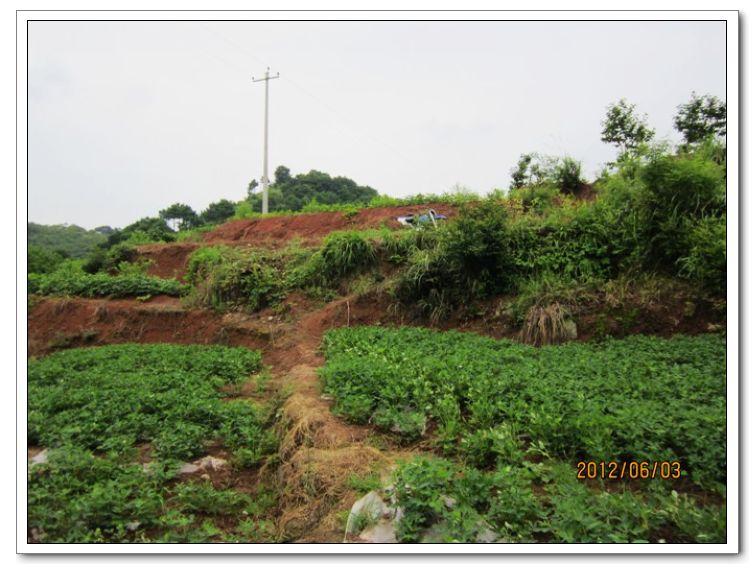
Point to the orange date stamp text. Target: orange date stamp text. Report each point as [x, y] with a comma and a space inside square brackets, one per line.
[633, 470]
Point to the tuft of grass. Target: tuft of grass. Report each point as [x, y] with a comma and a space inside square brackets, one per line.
[545, 326]
[342, 253]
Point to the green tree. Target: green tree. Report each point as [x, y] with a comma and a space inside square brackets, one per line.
[104, 230]
[521, 174]
[145, 230]
[218, 212]
[75, 241]
[282, 175]
[293, 193]
[625, 129]
[701, 118]
[567, 173]
[185, 215]
[42, 260]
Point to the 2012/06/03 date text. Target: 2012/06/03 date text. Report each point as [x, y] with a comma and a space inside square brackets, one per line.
[633, 470]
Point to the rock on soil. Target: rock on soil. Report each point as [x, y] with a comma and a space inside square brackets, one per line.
[371, 510]
[210, 463]
[40, 458]
[371, 507]
[383, 532]
[188, 468]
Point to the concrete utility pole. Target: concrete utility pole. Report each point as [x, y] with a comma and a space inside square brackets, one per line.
[265, 179]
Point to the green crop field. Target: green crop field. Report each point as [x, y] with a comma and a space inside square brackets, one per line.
[94, 408]
[509, 424]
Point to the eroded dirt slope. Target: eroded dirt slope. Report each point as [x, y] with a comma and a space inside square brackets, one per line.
[170, 260]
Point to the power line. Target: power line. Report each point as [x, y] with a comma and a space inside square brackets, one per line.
[361, 134]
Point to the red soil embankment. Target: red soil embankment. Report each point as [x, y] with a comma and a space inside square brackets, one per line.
[55, 324]
[170, 260]
[314, 225]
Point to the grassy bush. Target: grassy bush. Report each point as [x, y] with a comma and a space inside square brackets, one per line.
[706, 261]
[470, 260]
[223, 277]
[549, 288]
[484, 252]
[678, 189]
[538, 197]
[342, 253]
[567, 174]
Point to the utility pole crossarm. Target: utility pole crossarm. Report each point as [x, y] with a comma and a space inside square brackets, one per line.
[265, 179]
[267, 77]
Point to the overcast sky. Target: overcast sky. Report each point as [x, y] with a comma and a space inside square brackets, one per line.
[126, 118]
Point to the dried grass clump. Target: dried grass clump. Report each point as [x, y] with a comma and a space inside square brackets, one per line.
[304, 424]
[546, 326]
[314, 485]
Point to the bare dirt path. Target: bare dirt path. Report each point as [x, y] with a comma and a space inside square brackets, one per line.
[319, 452]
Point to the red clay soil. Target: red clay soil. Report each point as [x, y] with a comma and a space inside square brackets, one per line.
[169, 260]
[55, 324]
[308, 226]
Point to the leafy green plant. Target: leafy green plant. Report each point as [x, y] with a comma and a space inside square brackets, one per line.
[538, 198]
[92, 408]
[69, 281]
[202, 497]
[112, 398]
[626, 399]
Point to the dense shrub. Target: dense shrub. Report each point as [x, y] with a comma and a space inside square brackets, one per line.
[223, 277]
[567, 174]
[537, 197]
[470, 260]
[706, 259]
[484, 252]
[341, 254]
[678, 189]
[42, 260]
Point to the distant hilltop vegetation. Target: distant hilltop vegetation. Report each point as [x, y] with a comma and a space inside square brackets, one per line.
[69, 240]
